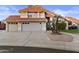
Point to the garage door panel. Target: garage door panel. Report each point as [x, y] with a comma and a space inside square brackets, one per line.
[25, 27]
[13, 27]
[32, 27]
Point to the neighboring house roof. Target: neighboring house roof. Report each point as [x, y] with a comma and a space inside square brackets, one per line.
[16, 18]
[49, 15]
[72, 19]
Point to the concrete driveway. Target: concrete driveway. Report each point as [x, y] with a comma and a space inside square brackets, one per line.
[21, 38]
[37, 39]
[34, 39]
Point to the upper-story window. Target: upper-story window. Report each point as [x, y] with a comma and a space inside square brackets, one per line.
[35, 15]
[32, 15]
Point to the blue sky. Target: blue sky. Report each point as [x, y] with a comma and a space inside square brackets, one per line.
[64, 10]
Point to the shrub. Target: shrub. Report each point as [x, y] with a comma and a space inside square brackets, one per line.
[61, 26]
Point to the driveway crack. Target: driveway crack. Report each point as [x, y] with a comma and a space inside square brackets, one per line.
[27, 39]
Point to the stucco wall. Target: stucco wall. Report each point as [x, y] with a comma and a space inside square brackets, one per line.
[19, 26]
[34, 15]
[23, 15]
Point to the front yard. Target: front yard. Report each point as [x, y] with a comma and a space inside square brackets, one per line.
[71, 31]
[56, 37]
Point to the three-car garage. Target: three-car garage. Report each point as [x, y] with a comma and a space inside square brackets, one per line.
[12, 27]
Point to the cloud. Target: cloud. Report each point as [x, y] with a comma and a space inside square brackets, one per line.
[6, 11]
[70, 12]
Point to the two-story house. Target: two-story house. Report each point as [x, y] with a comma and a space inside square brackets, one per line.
[32, 18]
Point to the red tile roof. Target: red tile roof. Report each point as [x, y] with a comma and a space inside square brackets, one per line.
[17, 18]
[72, 19]
[32, 9]
[37, 8]
[50, 15]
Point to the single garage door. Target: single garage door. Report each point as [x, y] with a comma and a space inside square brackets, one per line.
[32, 27]
[13, 27]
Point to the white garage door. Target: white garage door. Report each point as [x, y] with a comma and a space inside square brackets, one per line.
[32, 27]
[13, 27]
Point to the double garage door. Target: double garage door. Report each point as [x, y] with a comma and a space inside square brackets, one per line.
[26, 27]
[32, 27]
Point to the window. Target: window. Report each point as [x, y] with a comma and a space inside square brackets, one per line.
[28, 22]
[16, 23]
[33, 15]
[69, 23]
[40, 23]
[12, 23]
[41, 15]
[25, 23]
[30, 15]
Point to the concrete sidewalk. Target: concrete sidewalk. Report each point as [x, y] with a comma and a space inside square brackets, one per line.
[74, 45]
[37, 39]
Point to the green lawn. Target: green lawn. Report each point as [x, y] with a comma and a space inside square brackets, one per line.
[71, 31]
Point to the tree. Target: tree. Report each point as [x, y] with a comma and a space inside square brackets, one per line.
[48, 26]
[55, 22]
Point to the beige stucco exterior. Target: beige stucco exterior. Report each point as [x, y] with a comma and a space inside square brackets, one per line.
[66, 25]
[19, 26]
[7, 26]
[23, 15]
[34, 15]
